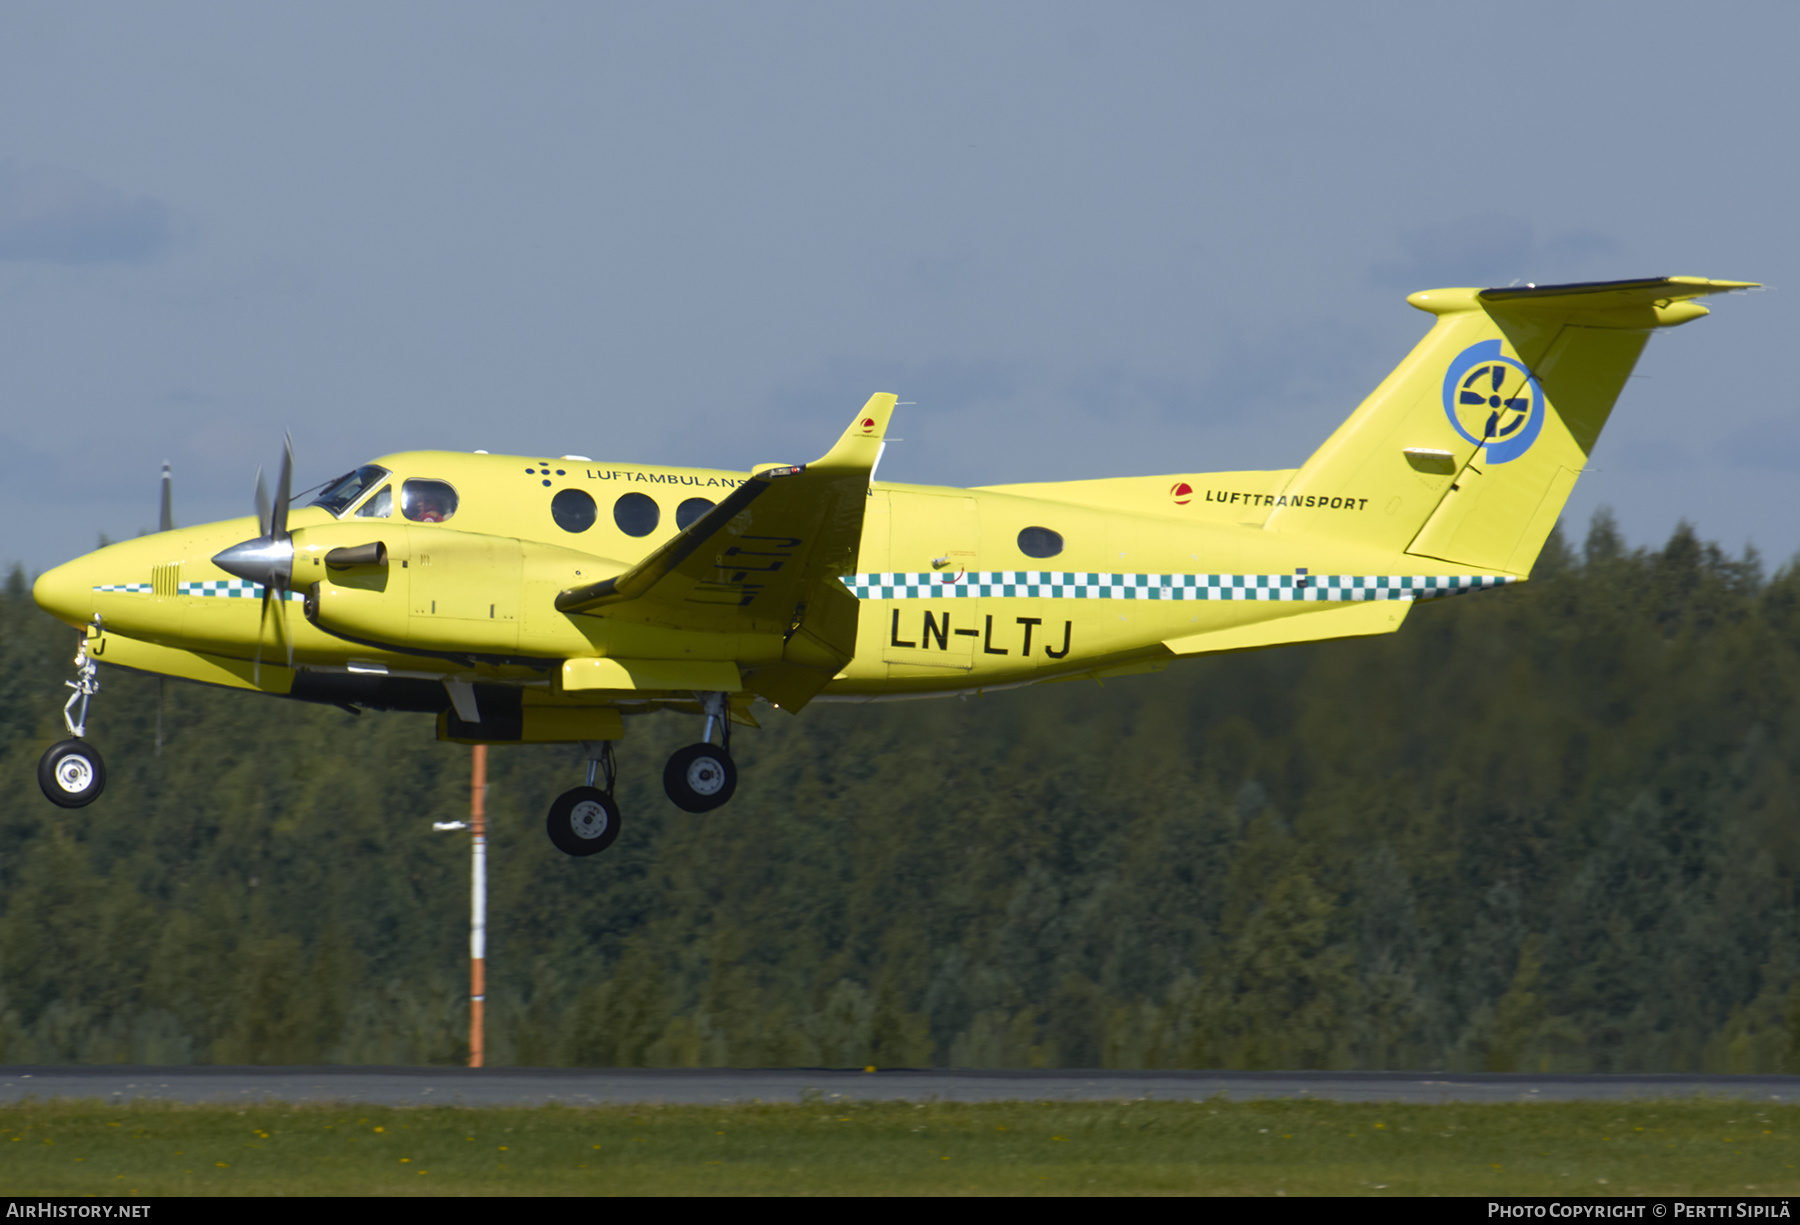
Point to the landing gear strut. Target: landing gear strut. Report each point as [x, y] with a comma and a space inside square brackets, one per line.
[71, 773]
[702, 776]
[585, 820]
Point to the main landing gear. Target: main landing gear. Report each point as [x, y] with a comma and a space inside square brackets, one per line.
[698, 778]
[71, 772]
[702, 776]
[585, 820]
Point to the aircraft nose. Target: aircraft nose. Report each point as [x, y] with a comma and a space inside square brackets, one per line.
[67, 592]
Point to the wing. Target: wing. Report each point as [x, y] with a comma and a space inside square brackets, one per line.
[765, 562]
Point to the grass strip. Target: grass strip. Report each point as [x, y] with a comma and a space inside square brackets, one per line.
[1668, 1147]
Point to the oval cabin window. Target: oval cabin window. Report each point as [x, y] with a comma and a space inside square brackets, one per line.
[1040, 542]
[573, 510]
[636, 514]
[691, 510]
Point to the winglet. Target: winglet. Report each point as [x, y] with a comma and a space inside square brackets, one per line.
[860, 446]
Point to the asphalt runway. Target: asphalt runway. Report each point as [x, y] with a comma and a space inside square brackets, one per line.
[393, 1086]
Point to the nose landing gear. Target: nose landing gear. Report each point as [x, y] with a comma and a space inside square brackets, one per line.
[70, 773]
[702, 777]
[585, 820]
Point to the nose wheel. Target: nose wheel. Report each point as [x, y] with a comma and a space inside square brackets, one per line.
[585, 820]
[71, 773]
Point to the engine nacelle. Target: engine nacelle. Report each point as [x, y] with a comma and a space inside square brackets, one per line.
[436, 589]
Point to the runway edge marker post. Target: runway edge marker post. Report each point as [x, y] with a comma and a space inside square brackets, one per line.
[478, 905]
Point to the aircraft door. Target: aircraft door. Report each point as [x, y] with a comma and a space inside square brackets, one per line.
[931, 620]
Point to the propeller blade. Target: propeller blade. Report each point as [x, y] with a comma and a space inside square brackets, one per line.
[262, 628]
[166, 521]
[280, 600]
[272, 595]
[262, 503]
[278, 525]
[1499, 376]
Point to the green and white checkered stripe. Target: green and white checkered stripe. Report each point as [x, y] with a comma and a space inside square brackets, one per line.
[1075, 585]
[223, 588]
[232, 589]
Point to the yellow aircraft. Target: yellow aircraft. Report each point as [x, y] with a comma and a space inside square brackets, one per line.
[529, 599]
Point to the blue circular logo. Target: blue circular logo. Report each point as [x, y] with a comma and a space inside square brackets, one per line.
[1493, 401]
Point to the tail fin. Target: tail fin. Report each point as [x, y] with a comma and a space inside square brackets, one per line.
[1467, 452]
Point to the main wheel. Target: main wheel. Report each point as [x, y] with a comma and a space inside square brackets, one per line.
[72, 774]
[700, 777]
[583, 821]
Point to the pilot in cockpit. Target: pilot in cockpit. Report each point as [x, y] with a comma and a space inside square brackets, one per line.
[426, 501]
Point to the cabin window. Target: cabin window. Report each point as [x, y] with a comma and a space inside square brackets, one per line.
[637, 514]
[1040, 542]
[573, 510]
[378, 507]
[691, 510]
[342, 493]
[427, 501]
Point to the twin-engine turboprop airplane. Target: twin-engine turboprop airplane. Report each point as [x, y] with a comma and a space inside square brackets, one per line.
[526, 600]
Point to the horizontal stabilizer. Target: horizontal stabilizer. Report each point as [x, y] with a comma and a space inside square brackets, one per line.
[1604, 295]
[1648, 302]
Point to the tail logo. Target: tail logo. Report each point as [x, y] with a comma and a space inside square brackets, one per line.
[1493, 401]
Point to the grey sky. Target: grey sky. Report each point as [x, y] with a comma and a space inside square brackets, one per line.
[1087, 240]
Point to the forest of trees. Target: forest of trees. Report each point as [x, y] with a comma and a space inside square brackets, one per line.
[1553, 827]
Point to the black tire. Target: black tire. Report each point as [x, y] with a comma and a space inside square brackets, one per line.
[72, 774]
[700, 777]
[584, 821]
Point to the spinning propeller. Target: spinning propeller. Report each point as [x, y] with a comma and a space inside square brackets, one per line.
[165, 522]
[268, 561]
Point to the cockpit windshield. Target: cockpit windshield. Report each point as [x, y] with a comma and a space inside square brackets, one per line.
[339, 494]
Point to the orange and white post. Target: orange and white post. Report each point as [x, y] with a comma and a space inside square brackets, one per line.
[478, 906]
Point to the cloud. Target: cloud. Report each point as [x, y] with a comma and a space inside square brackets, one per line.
[1650, 457]
[1772, 444]
[1281, 369]
[1486, 249]
[57, 216]
[945, 385]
